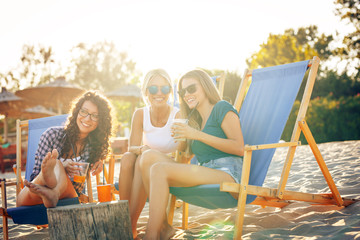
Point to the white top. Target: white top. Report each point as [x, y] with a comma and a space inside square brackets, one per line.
[159, 138]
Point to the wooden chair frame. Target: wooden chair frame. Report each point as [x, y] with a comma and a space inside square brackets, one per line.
[20, 125]
[277, 197]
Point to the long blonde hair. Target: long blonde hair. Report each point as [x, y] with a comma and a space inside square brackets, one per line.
[211, 93]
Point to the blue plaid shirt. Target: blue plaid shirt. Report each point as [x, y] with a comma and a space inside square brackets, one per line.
[54, 138]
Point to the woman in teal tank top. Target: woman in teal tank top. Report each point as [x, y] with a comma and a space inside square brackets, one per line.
[213, 134]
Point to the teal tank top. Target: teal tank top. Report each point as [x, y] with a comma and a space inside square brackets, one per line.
[203, 152]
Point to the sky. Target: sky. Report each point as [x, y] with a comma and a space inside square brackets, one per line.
[175, 35]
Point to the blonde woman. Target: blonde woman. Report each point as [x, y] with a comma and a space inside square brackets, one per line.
[215, 137]
[150, 129]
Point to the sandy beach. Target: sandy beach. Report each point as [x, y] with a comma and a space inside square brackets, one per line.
[298, 220]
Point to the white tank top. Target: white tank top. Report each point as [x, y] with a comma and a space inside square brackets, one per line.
[159, 138]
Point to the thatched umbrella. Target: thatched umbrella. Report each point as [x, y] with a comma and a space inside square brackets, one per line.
[57, 94]
[36, 112]
[129, 93]
[10, 106]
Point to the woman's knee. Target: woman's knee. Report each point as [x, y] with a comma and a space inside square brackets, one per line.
[160, 169]
[148, 158]
[128, 161]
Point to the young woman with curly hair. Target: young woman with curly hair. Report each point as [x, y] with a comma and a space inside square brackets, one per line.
[84, 138]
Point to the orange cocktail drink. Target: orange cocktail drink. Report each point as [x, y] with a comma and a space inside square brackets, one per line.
[104, 193]
[80, 174]
[79, 179]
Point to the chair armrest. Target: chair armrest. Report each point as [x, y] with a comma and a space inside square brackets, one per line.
[271, 145]
[3, 184]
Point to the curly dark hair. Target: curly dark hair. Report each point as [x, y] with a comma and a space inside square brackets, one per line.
[99, 139]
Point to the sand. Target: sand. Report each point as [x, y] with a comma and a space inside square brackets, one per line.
[298, 220]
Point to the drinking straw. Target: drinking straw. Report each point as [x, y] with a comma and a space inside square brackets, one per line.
[103, 174]
[79, 170]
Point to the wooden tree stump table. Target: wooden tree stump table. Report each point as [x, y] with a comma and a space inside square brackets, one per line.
[109, 220]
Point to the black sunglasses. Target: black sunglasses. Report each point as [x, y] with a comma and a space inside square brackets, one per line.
[154, 89]
[190, 89]
[84, 113]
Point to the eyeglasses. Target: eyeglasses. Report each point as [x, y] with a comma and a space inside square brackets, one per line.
[190, 89]
[154, 89]
[84, 113]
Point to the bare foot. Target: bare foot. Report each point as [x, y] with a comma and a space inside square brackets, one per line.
[167, 231]
[48, 195]
[47, 169]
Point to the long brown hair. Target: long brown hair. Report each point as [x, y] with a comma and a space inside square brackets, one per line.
[211, 93]
[99, 139]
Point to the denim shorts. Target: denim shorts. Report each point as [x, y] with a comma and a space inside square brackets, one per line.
[231, 165]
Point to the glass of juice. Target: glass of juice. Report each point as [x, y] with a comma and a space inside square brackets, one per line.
[104, 193]
[80, 175]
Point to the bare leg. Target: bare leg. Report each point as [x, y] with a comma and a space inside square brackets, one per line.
[138, 193]
[48, 195]
[37, 192]
[167, 231]
[148, 159]
[137, 199]
[166, 174]
[126, 175]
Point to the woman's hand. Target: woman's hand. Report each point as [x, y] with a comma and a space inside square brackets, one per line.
[143, 148]
[96, 167]
[71, 167]
[183, 130]
[138, 150]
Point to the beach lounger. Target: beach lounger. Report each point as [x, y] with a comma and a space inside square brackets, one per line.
[33, 214]
[263, 115]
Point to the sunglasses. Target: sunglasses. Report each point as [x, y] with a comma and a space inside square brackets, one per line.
[93, 117]
[190, 89]
[155, 89]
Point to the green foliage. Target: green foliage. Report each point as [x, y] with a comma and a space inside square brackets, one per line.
[329, 119]
[36, 67]
[232, 83]
[349, 10]
[292, 46]
[101, 66]
[330, 83]
[124, 111]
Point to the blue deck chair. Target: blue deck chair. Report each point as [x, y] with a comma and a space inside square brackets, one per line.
[35, 215]
[263, 115]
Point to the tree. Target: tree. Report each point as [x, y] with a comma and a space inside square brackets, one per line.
[335, 86]
[101, 66]
[292, 46]
[231, 85]
[349, 10]
[36, 67]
